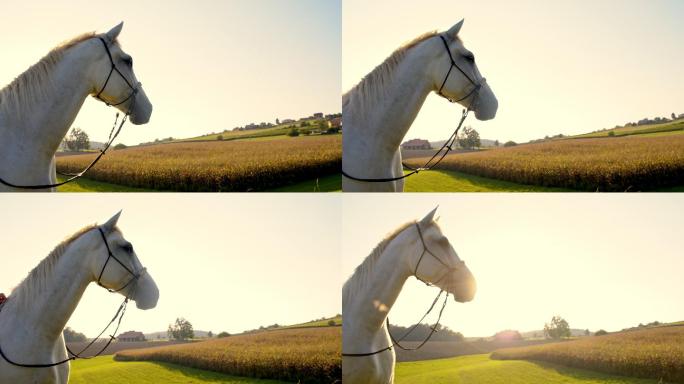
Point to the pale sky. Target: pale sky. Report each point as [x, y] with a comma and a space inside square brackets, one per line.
[205, 65]
[597, 260]
[226, 263]
[555, 66]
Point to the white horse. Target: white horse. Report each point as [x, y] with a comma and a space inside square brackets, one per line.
[39, 106]
[34, 315]
[415, 249]
[380, 109]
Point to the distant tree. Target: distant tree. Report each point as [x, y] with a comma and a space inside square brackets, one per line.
[423, 330]
[181, 330]
[293, 132]
[277, 121]
[674, 117]
[557, 329]
[600, 332]
[219, 137]
[223, 334]
[331, 323]
[611, 133]
[510, 144]
[120, 146]
[586, 332]
[496, 143]
[77, 140]
[469, 138]
[210, 334]
[508, 335]
[72, 336]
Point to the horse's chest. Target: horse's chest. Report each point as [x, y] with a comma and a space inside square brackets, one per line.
[377, 369]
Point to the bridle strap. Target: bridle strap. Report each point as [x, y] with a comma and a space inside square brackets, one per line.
[113, 68]
[449, 143]
[110, 256]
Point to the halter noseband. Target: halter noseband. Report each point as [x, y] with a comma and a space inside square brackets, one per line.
[134, 90]
[477, 85]
[110, 256]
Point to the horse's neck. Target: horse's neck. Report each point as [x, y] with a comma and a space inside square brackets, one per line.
[373, 302]
[384, 124]
[33, 134]
[55, 298]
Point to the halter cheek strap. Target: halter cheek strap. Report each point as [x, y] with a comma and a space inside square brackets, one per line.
[110, 256]
[450, 269]
[476, 85]
[112, 69]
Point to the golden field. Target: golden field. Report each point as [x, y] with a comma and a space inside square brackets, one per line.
[237, 165]
[656, 353]
[631, 163]
[306, 355]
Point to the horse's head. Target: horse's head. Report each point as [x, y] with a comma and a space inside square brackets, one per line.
[456, 76]
[118, 269]
[115, 82]
[439, 265]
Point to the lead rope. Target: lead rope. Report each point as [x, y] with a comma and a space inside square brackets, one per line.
[396, 342]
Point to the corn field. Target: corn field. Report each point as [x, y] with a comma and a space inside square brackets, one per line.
[598, 164]
[307, 355]
[656, 353]
[215, 166]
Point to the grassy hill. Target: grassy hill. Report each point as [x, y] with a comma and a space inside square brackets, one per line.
[478, 369]
[672, 127]
[304, 355]
[656, 353]
[277, 130]
[104, 370]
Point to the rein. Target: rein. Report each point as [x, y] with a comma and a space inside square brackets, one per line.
[112, 134]
[433, 329]
[118, 317]
[449, 143]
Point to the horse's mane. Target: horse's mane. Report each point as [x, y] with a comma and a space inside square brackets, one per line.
[37, 80]
[37, 278]
[370, 87]
[363, 271]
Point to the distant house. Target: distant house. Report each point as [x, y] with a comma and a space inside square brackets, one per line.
[318, 115]
[416, 144]
[336, 122]
[131, 336]
[287, 121]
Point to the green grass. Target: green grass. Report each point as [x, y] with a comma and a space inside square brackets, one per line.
[318, 323]
[104, 370]
[480, 369]
[675, 127]
[86, 185]
[452, 181]
[331, 183]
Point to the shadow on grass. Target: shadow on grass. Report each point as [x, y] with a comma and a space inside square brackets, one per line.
[210, 376]
[581, 374]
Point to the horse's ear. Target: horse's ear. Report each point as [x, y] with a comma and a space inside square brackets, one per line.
[114, 32]
[108, 227]
[453, 31]
[427, 220]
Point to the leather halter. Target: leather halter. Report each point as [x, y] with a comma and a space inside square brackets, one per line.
[476, 85]
[113, 68]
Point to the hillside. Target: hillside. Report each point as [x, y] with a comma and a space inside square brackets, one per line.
[656, 353]
[304, 355]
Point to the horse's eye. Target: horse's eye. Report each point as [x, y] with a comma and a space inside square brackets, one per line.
[128, 248]
[470, 57]
[128, 61]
